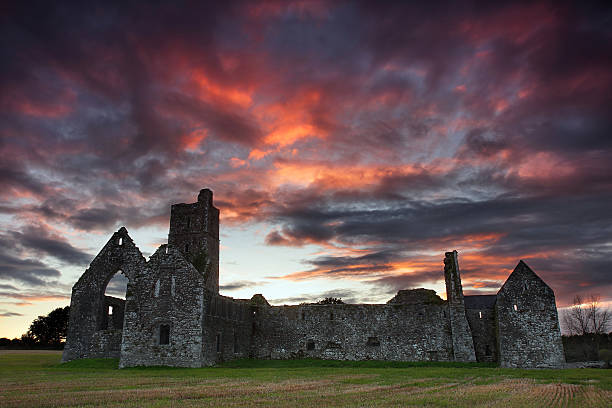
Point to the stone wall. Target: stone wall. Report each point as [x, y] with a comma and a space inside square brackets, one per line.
[88, 328]
[480, 312]
[527, 322]
[112, 313]
[405, 332]
[227, 328]
[168, 298]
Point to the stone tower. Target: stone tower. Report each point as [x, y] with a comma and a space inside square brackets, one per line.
[463, 344]
[194, 228]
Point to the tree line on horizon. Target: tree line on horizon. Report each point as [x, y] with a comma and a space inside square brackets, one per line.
[44, 332]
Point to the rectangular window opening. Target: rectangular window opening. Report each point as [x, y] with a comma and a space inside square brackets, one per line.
[310, 345]
[218, 341]
[110, 310]
[515, 308]
[373, 342]
[120, 241]
[164, 334]
[236, 347]
[480, 315]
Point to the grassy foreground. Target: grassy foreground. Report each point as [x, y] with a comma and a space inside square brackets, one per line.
[36, 379]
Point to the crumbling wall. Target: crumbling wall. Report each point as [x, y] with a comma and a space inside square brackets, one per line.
[169, 299]
[463, 344]
[89, 334]
[404, 332]
[480, 312]
[227, 328]
[527, 322]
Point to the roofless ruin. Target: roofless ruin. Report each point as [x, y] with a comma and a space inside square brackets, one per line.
[174, 315]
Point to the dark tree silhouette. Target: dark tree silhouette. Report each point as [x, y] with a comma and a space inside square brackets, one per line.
[50, 330]
[587, 316]
[330, 301]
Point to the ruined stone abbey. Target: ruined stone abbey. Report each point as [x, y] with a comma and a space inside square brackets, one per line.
[174, 315]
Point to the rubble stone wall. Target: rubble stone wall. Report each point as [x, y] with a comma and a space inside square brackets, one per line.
[88, 330]
[528, 331]
[405, 332]
[482, 327]
[169, 297]
[227, 329]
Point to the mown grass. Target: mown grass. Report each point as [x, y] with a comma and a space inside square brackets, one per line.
[39, 380]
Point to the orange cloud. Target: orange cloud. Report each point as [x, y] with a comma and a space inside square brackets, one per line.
[289, 121]
[192, 140]
[213, 91]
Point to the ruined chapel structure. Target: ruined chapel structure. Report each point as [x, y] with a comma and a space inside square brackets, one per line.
[174, 315]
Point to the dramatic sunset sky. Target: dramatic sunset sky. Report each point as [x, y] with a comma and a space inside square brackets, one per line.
[348, 144]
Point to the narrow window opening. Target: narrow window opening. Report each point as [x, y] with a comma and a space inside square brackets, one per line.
[487, 350]
[120, 241]
[186, 247]
[331, 315]
[373, 342]
[515, 308]
[156, 292]
[480, 315]
[236, 348]
[218, 342]
[166, 248]
[310, 345]
[110, 310]
[164, 334]
[188, 222]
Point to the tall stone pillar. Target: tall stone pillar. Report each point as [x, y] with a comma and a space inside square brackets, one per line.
[463, 344]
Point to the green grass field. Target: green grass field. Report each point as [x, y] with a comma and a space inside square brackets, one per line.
[37, 379]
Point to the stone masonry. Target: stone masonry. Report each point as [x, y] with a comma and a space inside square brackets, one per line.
[173, 313]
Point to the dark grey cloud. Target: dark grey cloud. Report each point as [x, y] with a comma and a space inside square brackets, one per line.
[95, 113]
[93, 218]
[235, 285]
[9, 314]
[393, 283]
[575, 228]
[347, 296]
[31, 272]
[39, 240]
